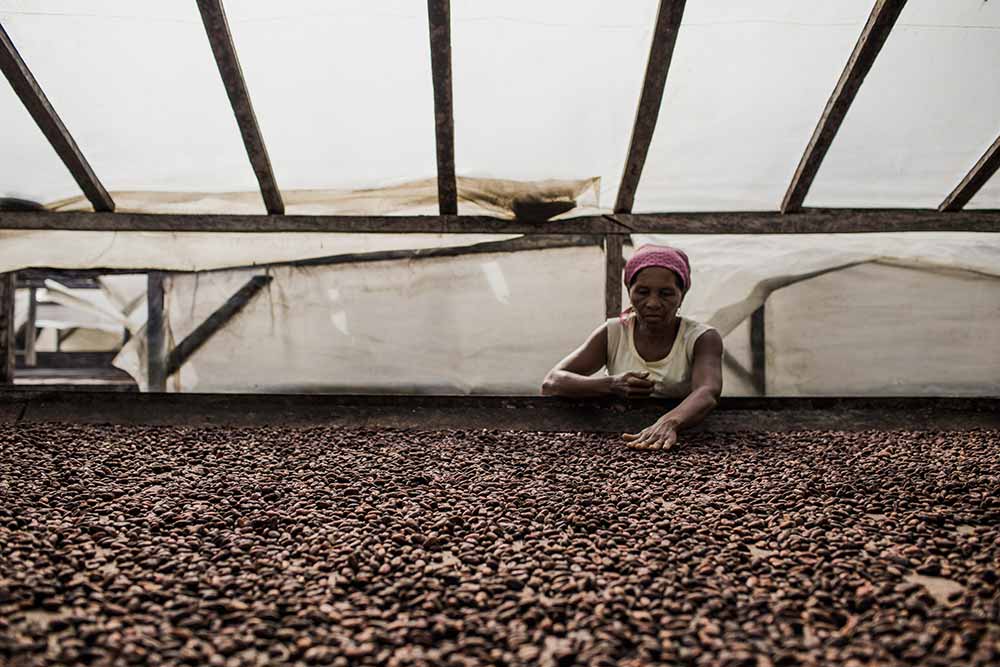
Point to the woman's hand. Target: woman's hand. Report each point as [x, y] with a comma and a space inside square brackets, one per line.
[631, 384]
[661, 435]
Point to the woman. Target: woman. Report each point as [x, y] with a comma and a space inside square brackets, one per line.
[649, 350]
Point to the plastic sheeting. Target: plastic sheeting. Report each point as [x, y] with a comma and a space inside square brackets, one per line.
[888, 314]
[199, 251]
[343, 95]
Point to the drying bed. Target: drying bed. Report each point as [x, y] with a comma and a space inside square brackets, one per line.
[227, 546]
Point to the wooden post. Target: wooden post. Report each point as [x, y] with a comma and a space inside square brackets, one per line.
[156, 339]
[757, 351]
[30, 358]
[614, 263]
[6, 328]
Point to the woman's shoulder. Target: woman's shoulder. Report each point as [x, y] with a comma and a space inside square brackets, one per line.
[693, 330]
[694, 326]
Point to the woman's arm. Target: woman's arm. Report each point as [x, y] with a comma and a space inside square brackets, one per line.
[706, 387]
[572, 375]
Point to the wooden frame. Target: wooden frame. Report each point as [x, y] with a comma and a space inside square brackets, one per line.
[439, 21]
[217, 29]
[213, 323]
[48, 121]
[876, 31]
[977, 177]
[809, 221]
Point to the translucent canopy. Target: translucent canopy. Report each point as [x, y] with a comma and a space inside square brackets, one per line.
[343, 96]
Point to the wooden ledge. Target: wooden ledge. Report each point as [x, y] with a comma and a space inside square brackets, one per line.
[489, 412]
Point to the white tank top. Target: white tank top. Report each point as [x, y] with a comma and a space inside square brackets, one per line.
[671, 374]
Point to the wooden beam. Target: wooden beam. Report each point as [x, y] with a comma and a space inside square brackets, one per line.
[729, 361]
[439, 19]
[156, 334]
[62, 360]
[7, 328]
[532, 413]
[214, 322]
[614, 263]
[758, 351]
[85, 278]
[48, 121]
[72, 278]
[30, 356]
[974, 180]
[217, 28]
[880, 22]
[519, 244]
[668, 22]
[810, 221]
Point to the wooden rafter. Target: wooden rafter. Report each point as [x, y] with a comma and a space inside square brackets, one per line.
[217, 28]
[977, 177]
[880, 22]
[668, 22]
[810, 221]
[439, 19]
[48, 121]
[214, 322]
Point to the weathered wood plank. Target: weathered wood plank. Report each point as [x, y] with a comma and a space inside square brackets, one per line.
[48, 121]
[86, 278]
[977, 177]
[809, 221]
[668, 21]
[736, 368]
[439, 19]
[758, 351]
[7, 339]
[880, 22]
[30, 355]
[156, 334]
[501, 412]
[64, 360]
[214, 322]
[72, 278]
[219, 36]
[614, 263]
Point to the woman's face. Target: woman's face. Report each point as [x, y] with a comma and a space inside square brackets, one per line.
[656, 295]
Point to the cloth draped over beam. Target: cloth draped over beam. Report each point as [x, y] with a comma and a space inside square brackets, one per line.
[201, 251]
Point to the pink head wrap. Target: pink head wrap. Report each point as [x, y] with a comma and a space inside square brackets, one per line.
[662, 256]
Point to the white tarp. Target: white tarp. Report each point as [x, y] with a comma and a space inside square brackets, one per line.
[902, 314]
[343, 95]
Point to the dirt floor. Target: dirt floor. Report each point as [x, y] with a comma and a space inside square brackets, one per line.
[146, 545]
